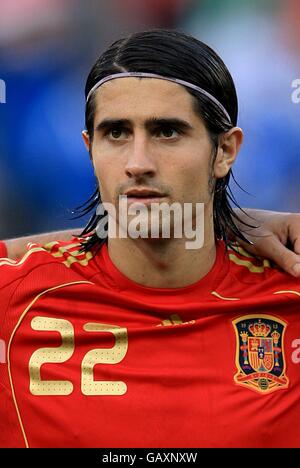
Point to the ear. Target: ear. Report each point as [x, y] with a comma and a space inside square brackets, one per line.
[228, 149]
[86, 139]
[87, 143]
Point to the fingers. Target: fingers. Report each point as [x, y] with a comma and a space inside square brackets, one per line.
[252, 248]
[294, 231]
[272, 248]
[297, 245]
[270, 239]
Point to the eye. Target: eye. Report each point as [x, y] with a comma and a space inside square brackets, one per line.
[116, 133]
[167, 132]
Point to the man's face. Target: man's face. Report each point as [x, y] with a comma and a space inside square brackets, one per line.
[147, 136]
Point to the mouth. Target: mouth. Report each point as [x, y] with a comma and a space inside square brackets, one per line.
[143, 196]
[143, 193]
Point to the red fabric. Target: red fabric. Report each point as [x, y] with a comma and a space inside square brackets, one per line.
[3, 249]
[132, 366]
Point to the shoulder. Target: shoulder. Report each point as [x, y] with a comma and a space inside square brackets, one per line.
[67, 254]
[41, 268]
[44, 268]
[248, 269]
[248, 265]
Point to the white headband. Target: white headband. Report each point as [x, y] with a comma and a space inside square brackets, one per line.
[160, 77]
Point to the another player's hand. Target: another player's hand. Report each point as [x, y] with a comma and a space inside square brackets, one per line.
[276, 238]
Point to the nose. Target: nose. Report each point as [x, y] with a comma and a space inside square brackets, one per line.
[140, 162]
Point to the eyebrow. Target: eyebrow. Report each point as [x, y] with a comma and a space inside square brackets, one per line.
[148, 124]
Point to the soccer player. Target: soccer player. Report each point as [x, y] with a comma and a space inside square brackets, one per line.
[139, 341]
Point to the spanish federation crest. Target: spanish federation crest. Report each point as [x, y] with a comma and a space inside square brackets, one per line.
[260, 353]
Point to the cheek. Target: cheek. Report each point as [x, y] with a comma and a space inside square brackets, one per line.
[195, 173]
[196, 169]
[106, 172]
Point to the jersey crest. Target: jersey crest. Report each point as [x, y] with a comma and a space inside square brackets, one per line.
[260, 357]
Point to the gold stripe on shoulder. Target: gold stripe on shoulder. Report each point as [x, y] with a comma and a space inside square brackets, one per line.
[14, 263]
[241, 251]
[69, 256]
[248, 264]
[49, 245]
[84, 262]
[64, 248]
[7, 261]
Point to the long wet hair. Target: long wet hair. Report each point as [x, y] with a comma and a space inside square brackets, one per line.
[177, 55]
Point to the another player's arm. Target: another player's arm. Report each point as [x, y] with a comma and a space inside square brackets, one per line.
[16, 248]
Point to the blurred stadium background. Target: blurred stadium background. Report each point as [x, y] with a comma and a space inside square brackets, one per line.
[46, 50]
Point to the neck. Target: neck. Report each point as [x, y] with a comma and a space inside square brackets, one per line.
[163, 263]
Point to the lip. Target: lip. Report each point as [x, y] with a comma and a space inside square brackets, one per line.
[144, 193]
[143, 200]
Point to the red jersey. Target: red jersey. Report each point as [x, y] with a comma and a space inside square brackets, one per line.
[3, 249]
[93, 359]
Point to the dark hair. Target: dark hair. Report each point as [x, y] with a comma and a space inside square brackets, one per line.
[177, 55]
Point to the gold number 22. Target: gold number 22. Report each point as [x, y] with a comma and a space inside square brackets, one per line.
[61, 354]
